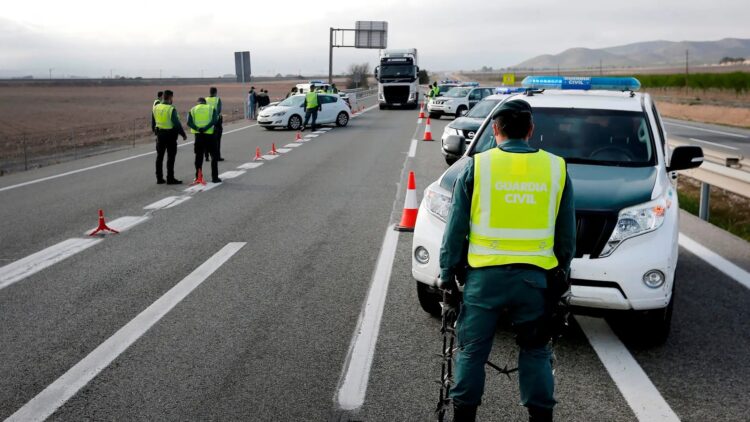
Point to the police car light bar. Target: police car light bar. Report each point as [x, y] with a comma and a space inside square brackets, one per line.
[608, 83]
[470, 84]
[509, 90]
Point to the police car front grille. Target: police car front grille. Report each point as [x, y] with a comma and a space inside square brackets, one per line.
[593, 229]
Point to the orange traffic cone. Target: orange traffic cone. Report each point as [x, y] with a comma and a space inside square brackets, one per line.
[102, 225]
[409, 216]
[427, 131]
[258, 156]
[273, 150]
[354, 111]
[199, 179]
[298, 138]
[421, 109]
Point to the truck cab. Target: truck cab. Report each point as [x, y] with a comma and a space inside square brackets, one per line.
[397, 77]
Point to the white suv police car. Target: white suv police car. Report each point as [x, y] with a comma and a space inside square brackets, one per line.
[457, 101]
[614, 143]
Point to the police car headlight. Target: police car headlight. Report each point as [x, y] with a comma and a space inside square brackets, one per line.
[635, 221]
[437, 203]
[450, 131]
[281, 113]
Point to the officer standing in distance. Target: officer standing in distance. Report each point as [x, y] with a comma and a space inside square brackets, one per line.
[214, 101]
[514, 206]
[311, 106]
[201, 121]
[165, 123]
[159, 96]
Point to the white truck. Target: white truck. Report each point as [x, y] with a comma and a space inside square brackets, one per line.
[398, 80]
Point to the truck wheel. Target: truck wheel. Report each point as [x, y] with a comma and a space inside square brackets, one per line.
[429, 300]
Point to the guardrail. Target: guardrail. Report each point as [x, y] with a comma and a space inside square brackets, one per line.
[360, 92]
[730, 172]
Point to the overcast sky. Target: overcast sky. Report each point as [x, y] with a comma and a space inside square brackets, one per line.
[187, 38]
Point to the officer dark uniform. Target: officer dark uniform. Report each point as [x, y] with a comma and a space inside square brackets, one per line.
[311, 106]
[214, 101]
[514, 206]
[165, 123]
[201, 121]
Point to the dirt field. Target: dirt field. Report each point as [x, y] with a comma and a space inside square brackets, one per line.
[732, 116]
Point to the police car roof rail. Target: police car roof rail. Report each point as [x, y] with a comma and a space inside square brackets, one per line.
[531, 91]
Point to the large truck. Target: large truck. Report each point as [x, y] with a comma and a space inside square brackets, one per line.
[398, 80]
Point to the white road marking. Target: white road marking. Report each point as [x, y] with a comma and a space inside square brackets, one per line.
[231, 174]
[24, 267]
[202, 188]
[353, 383]
[293, 145]
[168, 202]
[713, 143]
[312, 135]
[720, 263]
[269, 157]
[324, 129]
[62, 389]
[637, 389]
[109, 163]
[736, 135]
[413, 148]
[319, 132]
[239, 129]
[249, 166]
[123, 223]
[283, 150]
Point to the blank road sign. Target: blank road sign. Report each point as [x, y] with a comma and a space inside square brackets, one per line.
[371, 34]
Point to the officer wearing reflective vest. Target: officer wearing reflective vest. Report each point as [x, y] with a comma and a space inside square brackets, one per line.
[214, 101]
[159, 96]
[165, 123]
[311, 106]
[513, 205]
[202, 121]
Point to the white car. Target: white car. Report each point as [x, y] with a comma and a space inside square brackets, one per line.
[614, 143]
[290, 113]
[457, 101]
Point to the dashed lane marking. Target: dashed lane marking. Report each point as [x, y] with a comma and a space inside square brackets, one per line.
[231, 174]
[719, 132]
[123, 223]
[249, 166]
[293, 145]
[713, 143]
[283, 150]
[270, 157]
[168, 202]
[717, 261]
[312, 135]
[413, 148]
[202, 188]
[637, 389]
[62, 389]
[18, 270]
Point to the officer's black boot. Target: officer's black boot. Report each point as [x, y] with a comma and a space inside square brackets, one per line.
[539, 414]
[463, 413]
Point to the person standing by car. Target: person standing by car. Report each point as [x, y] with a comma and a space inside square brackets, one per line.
[292, 92]
[514, 206]
[311, 106]
[159, 96]
[166, 124]
[202, 121]
[251, 103]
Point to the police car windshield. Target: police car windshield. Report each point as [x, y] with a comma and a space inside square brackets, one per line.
[297, 101]
[482, 109]
[457, 92]
[581, 136]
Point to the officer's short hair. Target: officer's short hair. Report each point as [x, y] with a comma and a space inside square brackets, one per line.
[514, 118]
[168, 93]
[201, 100]
[159, 94]
[212, 90]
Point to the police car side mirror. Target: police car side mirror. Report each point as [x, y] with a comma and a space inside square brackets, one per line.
[685, 157]
[454, 144]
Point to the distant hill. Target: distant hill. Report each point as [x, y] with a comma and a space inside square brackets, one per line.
[644, 54]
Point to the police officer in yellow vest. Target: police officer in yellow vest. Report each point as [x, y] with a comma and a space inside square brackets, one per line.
[214, 101]
[165, 123]
[202, 123]
[311, 106]
[513, 205]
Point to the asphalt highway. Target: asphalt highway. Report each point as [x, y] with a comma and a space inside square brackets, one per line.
[243, 301]
[728, 140]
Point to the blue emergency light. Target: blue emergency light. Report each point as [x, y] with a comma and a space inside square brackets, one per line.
[509, 90]
[608, 83]
[470, 84]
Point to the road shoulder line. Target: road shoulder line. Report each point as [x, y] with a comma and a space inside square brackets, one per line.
[715, 260]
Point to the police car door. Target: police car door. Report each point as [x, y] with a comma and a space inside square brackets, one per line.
[474, 97]
[327, 112]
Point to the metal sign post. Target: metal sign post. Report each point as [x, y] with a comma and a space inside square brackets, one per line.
[367, 34]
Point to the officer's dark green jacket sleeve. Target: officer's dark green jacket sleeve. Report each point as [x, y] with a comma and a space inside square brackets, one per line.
[565, 227]
[176, 122]
[191, 123]
[455, 237]
[218, 105]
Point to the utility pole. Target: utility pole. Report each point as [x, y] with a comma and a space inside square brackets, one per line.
[110, 73]
[50, 72]
[686, 71]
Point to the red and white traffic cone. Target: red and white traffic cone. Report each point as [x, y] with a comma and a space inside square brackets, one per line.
[273, 150]
[258, 155]
[199, 179]
[102, 225]
[298, 138]
[427, 131]
[421, 110]
[409, 216]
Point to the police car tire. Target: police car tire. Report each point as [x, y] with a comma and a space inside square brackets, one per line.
[342, 119]
[428, 300]
[654, 325]
[460, 111]
[298, 122]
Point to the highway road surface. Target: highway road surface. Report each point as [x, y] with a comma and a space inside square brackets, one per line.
[728, 140]
[283, 294]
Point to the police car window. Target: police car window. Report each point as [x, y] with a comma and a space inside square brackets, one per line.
[293, 101]
[475, 94]
[601, 137]
[482, 109]
[457, 92]
[327, 99]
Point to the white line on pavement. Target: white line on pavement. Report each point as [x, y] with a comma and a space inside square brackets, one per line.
[637, 389]
[736, 135]
[239, 129]
[311, 135]
[62, 389]
[168, 202]
[720, 263]
[122, 160]
[231, 174]
[283, 150]
[123, 223]
[413, 148]
[353, 383]
[293, 145]
[201, 188]
[713, 143]
[249, 166]
[24, 267]
[270, 157]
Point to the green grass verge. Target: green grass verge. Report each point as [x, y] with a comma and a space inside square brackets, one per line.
[721, 214]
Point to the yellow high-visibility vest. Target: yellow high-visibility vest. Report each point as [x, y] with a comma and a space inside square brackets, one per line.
[212, 101]
[202, 115]
[163, 116]
[514, 207]
[312, 100]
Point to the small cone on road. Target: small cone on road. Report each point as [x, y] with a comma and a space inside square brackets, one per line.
[427, 131]
[409, 216]
[258, 155]
[273, 150]
[421, 109]
[102, 225]
[298, 138]
[199, 179]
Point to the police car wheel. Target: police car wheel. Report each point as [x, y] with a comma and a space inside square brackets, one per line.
[295, 122]
[428, 299]
[461, 111]
[654, 325]
[342, 119]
